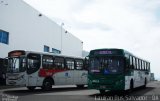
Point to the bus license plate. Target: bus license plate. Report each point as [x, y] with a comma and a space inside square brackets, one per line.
[102, 87]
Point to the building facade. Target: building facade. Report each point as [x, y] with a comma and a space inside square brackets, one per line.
[24, 28]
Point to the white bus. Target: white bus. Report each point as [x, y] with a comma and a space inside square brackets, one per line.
[35, 69]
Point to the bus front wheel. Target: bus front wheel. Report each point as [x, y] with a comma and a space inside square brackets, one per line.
[102, 91]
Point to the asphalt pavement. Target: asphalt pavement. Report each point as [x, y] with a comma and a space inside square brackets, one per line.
[72, 93]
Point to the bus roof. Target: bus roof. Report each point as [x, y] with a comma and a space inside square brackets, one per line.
[45, 53]
[115, 51]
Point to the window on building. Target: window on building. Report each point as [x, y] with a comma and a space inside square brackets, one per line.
[56, 51]
[46, 48]
[4, 37]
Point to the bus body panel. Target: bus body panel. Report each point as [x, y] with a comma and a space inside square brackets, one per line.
[109, 82]
[18, 79]
[32, 79]
[138, 79]
[83, 74]
[127, 82]
[35, 74]
[65, 77]
[71, 77]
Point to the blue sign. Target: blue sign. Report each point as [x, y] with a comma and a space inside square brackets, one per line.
[106, 71]
[66, 74]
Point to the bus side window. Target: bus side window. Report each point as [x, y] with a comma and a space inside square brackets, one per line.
[59, 62]
[86, 63]
[148, 66]
[140, 64]
[143, 65]
[79, 64]
[34, 62]
[134, 62]
[70, 63]
[137, 63]
[130, 62]
[47, 62]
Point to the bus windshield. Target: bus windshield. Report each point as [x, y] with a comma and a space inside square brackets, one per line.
[16, 64]
[106, 65]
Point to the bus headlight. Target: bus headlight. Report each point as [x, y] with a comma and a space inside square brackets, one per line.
[119, 82]
[95, 81]
[19, 77]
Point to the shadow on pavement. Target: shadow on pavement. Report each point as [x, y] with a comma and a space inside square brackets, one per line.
[40, 91]
[137, 91]
[137, 94]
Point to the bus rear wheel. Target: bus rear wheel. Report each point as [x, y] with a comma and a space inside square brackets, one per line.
[145, 83]
[47, 85]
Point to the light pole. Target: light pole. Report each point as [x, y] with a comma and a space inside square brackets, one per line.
[62, 24]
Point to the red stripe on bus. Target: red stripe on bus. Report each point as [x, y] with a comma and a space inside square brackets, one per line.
[48, 72]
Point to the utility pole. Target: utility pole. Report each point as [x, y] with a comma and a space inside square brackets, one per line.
[62, 24]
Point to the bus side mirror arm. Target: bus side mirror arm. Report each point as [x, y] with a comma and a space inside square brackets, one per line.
[5, 62]
[86, 62]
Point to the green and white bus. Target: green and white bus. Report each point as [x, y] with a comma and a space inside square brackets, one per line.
[116, 69]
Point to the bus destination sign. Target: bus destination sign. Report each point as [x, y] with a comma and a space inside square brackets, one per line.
[16, 53]
[101, 52]
[105, 52]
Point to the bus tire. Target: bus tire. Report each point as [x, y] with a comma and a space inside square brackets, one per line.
[31, 88]
[145, 83]
[47, 85]
[102, 91]
[131, 86]
[80, 86]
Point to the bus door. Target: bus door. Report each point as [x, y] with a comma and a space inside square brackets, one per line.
[82, 73]
[33, 61]
[83, 76]
[2, 71]
[69, 74]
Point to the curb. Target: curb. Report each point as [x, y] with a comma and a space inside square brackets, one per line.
[7, 87]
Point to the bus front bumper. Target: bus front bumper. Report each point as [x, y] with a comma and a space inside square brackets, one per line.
[106, 85]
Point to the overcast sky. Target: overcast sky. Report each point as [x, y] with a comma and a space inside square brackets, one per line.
[133, 25]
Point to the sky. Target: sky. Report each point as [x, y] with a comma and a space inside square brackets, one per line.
[133, 25]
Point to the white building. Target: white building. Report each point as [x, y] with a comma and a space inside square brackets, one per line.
[24, 28]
